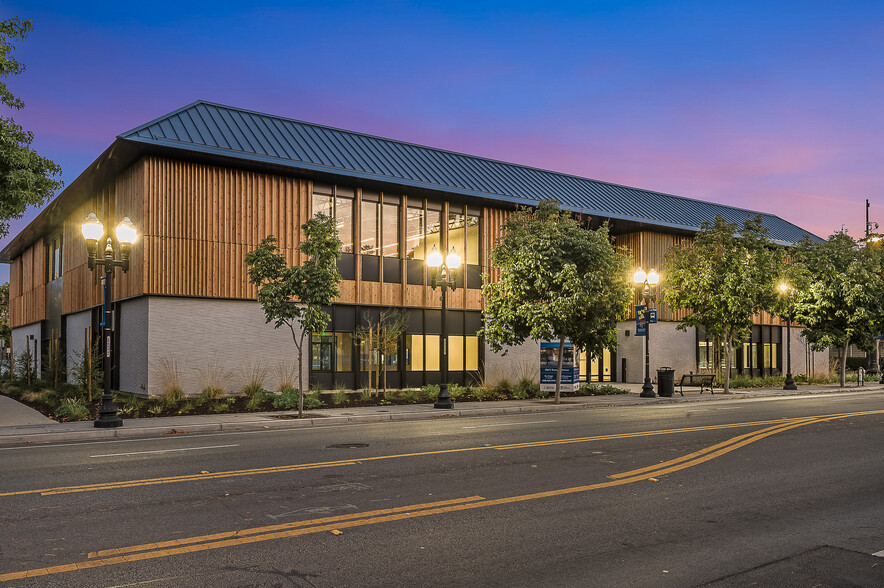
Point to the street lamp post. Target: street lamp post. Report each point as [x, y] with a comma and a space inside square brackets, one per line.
[790, 382]
[93, 231]
[647, 280]
[444, 277]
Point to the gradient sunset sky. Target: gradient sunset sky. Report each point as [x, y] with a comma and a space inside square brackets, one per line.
[771, 106]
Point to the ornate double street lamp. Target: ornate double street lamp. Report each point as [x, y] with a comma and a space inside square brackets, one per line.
[126, 232]
[444, 276]
[646, 281]
[787, 291]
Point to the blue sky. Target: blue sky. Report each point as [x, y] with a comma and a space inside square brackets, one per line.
[772, 106]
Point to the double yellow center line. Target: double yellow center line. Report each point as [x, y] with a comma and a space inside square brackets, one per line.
[286, 530]
[348, 462]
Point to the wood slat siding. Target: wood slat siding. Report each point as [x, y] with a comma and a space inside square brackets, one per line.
[197, 222]
[82, 287]
[648, 250]
[492, 230]
[27, 289]
[202, 220]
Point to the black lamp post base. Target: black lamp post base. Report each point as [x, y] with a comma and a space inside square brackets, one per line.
[648, 389]
[106, 421]
[107, 414]
[444, 398]
[790, 383]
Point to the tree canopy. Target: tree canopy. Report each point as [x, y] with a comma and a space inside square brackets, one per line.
[294, 295]
[724, 278]
[843, 301]
[557, 281]
[26, 178]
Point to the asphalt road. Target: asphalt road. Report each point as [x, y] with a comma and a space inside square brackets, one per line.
[777, 492]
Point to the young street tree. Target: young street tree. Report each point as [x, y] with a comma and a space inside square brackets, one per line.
[294, 296]
[557, 281]
[25, 177]
[725, 277]
[844, 300]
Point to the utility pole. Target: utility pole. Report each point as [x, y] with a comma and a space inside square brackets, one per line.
[874, 360]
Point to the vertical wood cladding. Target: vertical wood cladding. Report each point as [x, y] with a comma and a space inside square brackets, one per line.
[202, 220]
[82, 287]
[197, 222]
[27, 287]
[648, 250]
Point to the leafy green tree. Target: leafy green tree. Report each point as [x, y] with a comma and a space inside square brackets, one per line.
[557, 281]
[5, 332]
[844, 301]
[725, 278]
[25, 177]
[294, 296]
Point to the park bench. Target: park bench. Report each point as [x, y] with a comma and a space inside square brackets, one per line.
[702, 380]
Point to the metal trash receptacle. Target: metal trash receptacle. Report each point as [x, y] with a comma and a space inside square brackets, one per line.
[666, 381]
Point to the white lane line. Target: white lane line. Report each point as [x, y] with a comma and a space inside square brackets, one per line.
[162, 451]
[146, 582]
[509, 424]
[879, 554]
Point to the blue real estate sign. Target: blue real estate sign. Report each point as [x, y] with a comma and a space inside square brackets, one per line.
[549, 363]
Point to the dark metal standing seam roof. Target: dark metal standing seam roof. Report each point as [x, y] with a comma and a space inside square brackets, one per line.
[232, 132]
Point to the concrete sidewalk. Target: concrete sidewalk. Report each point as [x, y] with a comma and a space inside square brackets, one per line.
[22, 425]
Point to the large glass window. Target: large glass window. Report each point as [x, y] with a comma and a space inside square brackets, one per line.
[368, 239]
[343, 352]
[336, 202]
[472, 245]
[434, 230]
[390, 229]
[432, 353]
[344, 222]
[321, 356]
[455, 353]
[414, 233]
[414, 353]
[771, 355]
[53, 259]
[471, 353]
[323, 200]
[457, 236]
[750, 355]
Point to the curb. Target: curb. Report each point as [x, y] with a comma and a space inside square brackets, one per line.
[270, 423]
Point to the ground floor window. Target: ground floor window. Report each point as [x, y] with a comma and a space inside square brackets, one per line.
[758, 355]
[598, 369]
[344, 355]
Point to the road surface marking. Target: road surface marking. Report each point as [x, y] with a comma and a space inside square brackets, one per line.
[879, 554]
[162, 451]
[287, 530]
[146, 582]
[349, 462]
[508, 424]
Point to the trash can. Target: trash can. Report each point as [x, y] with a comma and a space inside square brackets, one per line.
[666, 381]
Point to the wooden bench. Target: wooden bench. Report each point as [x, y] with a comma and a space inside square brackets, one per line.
[702, 380]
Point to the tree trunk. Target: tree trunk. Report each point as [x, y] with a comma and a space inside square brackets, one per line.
[300, 347]
[559, 368]
[843, 370]
[727, 363]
